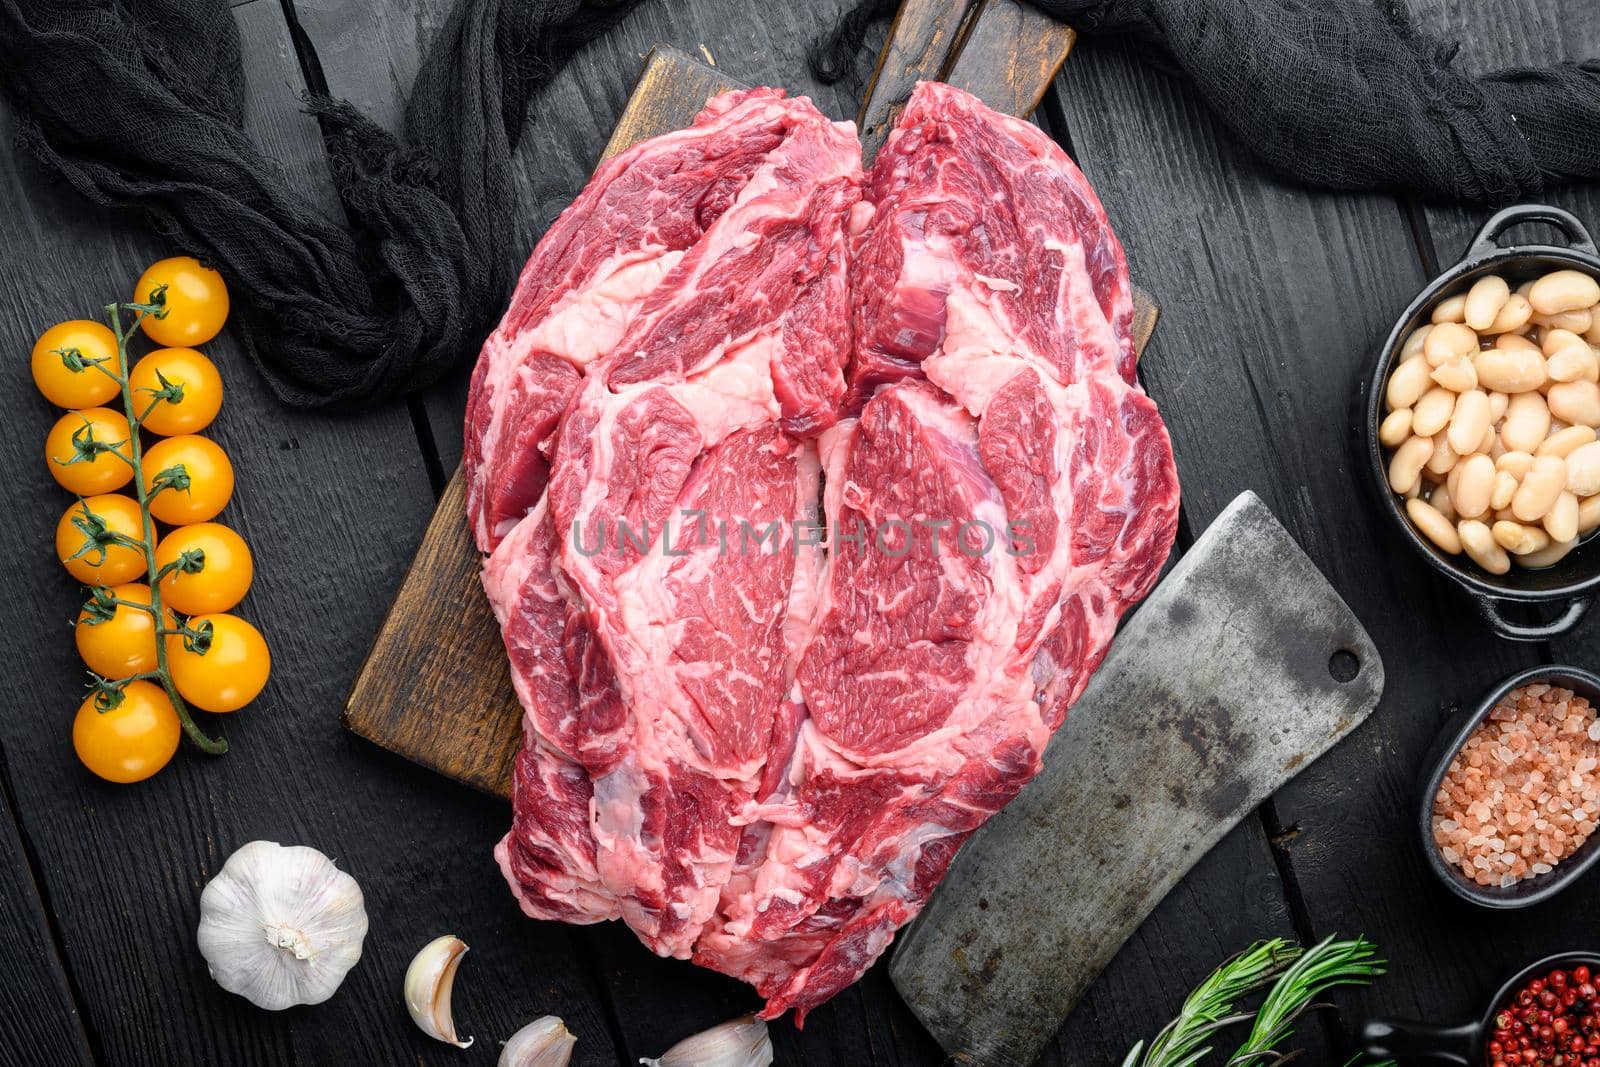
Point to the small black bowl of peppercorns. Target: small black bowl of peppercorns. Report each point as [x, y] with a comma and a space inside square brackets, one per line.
[1546, 1015]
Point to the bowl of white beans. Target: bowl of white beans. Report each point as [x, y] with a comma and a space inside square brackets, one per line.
[1483, 423]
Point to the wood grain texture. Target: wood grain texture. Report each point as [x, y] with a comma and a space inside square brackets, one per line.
[375, 45]
[1257, 370]
[428, 690]
[436, 687]
[1009, 55]
[922, 37]
[42, 1021]
[332, 507]
[1492, 37]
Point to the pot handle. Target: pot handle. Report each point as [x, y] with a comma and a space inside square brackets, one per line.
[1488, 237]
[1489, 607]
[1402, 1039]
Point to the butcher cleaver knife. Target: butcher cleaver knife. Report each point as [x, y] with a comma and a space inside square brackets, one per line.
[1240, 669]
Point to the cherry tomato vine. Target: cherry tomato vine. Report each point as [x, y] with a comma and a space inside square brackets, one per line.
[122, 733]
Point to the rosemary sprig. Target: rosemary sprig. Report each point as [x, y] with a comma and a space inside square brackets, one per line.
[1296, 977]
[1321, 968]
[1212, 1005]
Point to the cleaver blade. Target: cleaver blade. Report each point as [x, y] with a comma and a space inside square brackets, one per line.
[1240, 669]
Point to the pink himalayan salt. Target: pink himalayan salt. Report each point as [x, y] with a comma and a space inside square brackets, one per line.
[1523, 793]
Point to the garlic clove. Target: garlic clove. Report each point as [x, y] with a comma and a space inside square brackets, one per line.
[429, 980]
[281, 925]
[741, 1042]
[545, 1042]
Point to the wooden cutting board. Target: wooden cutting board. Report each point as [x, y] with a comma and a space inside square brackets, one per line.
[436, 686]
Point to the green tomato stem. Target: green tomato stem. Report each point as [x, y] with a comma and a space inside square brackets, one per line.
[218, 746]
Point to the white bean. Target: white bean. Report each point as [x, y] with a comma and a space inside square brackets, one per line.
[1433, 411]
[1517, 464]
[1407, 384]
[1588, 515]
[1451, 309]
[1576, 321]
[1469, 422]
[1577, 403]
[1434, 526]
[1518, 539]
[1395, 428]
[1484, 301]
[1444, 456]
[1511, 342]
[1405, 468]
[1459, 375]
[1562, 522]
[1440, 499]
[1513, 317]
[1510, 371]
[1474, 486]
[1563, 442]
[1498, 403]
[1577, 363]
[1583, 470]
[1505, 487]
[1562, 290]
[1535, 561]
[1553, 341]
[1480, 544]
[1448, 342]
[1527, 423]
[1413, 343]
[1539, 489]
[1592, 334]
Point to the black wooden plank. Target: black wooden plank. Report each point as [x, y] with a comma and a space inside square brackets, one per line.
[1272, 301]
[42, 1019]
[369, 51]
[1493, 36]
[333, 508]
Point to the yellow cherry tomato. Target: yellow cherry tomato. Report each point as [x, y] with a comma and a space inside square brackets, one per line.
[195, 298]
[131, 741]
[123, 644]
[208, 473]
[225, 568]
[108, 564]
[61, 359]
[89, 434]
[197, 404]
[230, 672]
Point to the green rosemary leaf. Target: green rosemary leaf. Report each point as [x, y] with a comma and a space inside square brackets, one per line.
[1212, 1005]
[1319, 969]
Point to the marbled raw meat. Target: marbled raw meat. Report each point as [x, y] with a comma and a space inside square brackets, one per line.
[766, 760]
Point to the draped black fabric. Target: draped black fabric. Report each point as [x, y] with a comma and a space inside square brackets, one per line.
[1343, 94]
[138, 104]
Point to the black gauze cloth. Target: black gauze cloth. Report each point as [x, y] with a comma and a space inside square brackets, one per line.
[139, 104]
[1343, 94]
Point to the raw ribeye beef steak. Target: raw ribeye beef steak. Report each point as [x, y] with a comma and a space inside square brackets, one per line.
[809, 503]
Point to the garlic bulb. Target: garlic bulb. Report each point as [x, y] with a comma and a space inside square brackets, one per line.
[429, 979]
[545, 1042]
[741, 1042]
[281, 925]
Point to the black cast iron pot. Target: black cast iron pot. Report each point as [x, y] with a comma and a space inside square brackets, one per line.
[1414, 1042]
[1570, 585]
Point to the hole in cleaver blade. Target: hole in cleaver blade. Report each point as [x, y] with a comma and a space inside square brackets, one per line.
[1241, 668]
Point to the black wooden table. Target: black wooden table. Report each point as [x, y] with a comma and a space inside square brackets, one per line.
[1273, 299]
